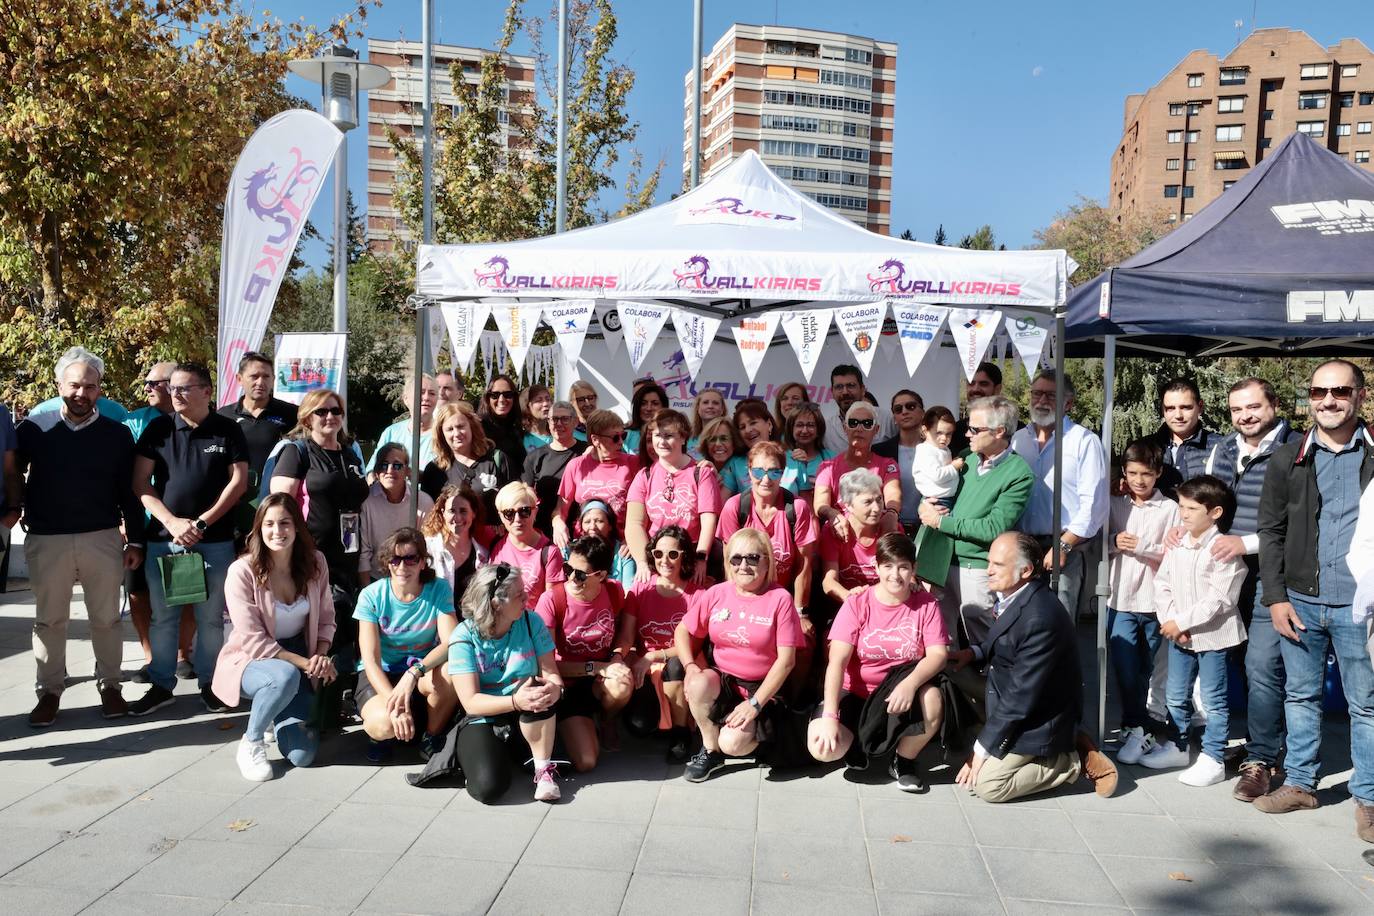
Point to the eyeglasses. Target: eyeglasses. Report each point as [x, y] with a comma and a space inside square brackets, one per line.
[751, 560]
[574, 574]
[586, 399]
[323, 412]
[617, 438]
[1339, 392]
[181, 391]
[560, 419]
[151, 383]
[501, 395]
[975, 430]
[905, 406]
[770, 473]
[409, 559]
[503, 571]
[392, 466]
[667, 554]
[522, 511]
[1042, 395]
[856, 422]
[719, 440]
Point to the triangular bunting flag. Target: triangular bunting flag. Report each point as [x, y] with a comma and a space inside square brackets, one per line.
[752, 336]
[642, 322]
[973, 330]
[861, 325]
[1028, 334]
[435, 341]
[918, 328]
[465, 323]
[569, 321]
[695, 334]
[611, 331]
[806, 332]
[516, 323]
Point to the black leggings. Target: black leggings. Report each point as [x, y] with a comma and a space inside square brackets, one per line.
[486, 757]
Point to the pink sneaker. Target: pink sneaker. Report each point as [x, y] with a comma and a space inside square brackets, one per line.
[546, 784]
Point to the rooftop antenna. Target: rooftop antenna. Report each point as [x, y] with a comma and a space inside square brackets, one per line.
[1239, 24]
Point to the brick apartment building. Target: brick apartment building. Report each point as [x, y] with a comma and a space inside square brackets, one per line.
[817, 106]
[1211, 119]
[400, 105]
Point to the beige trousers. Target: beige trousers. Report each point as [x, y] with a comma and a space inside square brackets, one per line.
[56, 563]
[1017, 775]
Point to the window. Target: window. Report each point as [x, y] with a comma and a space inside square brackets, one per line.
[1188, 191]
[1348, 70]
[789, 122]
[855, 56]
[1342, 130]
[1347, 100]
[839, 201]
[1173, 217]
[1226, 165]
[1175, 136]
[1176, 109]
[1171, 190]
[788, 148]
[850, 80]
[1229, 132]
[846, 153]
[1367, 98]
[1267, 114]
[1264, 142]
[1190, 165]
[1314, 71]
[817, 100]
[1312, 128]
[1361, 155]
[1309, 100]
[1271, 85]
[1227, 185]
[1363, 127]
[1230, 104]
[1171, 165]
[1194, 80]
[1192, 136]
[1233, 76]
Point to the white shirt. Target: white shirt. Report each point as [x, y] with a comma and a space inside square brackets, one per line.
[1244, 451]
[837, 434]
[1133, 572]
[932, 471]
[290, 619]
[77, 427]
[1084, 499]
[1199, 593]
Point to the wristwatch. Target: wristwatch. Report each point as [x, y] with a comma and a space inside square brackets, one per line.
[200, 524]
[1065, 547]
[419, 669]
[591, 668]
[754, 702]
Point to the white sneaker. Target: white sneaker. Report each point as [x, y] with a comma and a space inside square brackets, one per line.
[1137, 744]
[252, 760]
[1165, 755]
[546, 784]
[1206, 772]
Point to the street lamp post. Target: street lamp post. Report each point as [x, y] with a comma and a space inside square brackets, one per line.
[341, 76]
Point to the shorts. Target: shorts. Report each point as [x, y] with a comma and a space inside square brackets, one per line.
[578, 699]
[733, 691]
[851, 710]
[419, 709]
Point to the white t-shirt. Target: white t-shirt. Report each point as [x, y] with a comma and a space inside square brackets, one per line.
[291, 618]
[934, 475]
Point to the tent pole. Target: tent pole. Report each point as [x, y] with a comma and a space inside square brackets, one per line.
[1056, 505]
[427, 234]
[561, 199]
[1104, 589]
[694, 173]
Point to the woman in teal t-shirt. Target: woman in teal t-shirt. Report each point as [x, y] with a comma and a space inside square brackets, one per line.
[404, 624]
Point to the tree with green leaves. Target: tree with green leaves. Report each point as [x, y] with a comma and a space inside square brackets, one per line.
[1097, 237]
[981, 239]
[940, 237]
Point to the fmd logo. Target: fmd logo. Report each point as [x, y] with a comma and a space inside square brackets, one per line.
[1330, 305]
[1328, 217]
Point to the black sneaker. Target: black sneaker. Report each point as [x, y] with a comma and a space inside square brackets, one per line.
[185, 670]
[431, 745]
[855, 758]
[703, 764]
[679, 744]
[212, 702]
[907, 773]
[140, 676]
[156, 698]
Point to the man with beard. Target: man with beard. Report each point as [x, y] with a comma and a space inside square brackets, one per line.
[847, 387]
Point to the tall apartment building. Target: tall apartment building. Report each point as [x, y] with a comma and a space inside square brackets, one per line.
[400, 106]
[1199, 130]
[817, 106]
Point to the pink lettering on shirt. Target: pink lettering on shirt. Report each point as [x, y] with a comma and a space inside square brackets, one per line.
[676, 498]
[586, 630]
[534, 576]
[587, 478]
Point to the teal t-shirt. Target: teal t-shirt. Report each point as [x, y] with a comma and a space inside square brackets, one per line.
[501, 663]
[409, 629]
[399, 433]
[533, 441]
[735, 474]
[631, 442]
[111, 409]
[801, 475]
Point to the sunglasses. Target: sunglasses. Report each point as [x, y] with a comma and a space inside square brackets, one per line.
[667, 554]
[586, 399]
[905, 406]
[751, 560]
[573, 574]
[770, 473]
[975, 430]
[392, 466]
[501, 395]
[151, 383]
[719, 440]
[328, 412]
[409, 559]
[617, 438]
[855, 422]
[1339, 392]
[522, 511]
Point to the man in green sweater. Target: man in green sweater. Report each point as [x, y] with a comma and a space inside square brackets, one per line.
[993, 491]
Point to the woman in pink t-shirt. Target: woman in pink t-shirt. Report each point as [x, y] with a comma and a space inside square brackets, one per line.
[887, 647]
[861, 425]
[653, 611]
[673, 490]
[602, 472]
[754, 633]
[850, 564]
[523, 546]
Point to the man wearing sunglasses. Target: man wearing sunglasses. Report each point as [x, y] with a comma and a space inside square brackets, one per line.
[908, 413]
[847, 388]
[1308, 515]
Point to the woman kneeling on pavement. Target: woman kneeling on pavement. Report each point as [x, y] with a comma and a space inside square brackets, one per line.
[282, 613]
[754, 632]
[404, 625]
[502, 665]
[887, 646]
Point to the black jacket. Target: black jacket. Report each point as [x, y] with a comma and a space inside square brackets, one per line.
[888, 447]
[1288, 517]
[1035, 681]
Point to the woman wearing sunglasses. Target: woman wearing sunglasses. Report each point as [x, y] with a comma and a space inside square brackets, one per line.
[754, 634]
[706, 406]
[887, 647]
[464, 454]
[404, 625]
[723, 450]
[501, 660]
[602, 472]
[802, 436]
[282, 612]
[323, 472]
[647, 401]
[861, 425]
[851, 563]
[387, 508]
[653, 610]
[524, 546]
[591, 644]
[454, 533]
[673, 490]
[502, 421]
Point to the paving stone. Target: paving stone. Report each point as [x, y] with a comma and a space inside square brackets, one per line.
[720, 896]
[1135, 835]
[481, 834]
[152, 905]
[13, 789]
[268, 821]
[584, 891]
[812, 860]
[22, 844]
[917, 819]
[64, 807]
[383, 828]
[87, 862]
[441, 886]
[50, 901]
[824, 815]
[796, 899]
[1037, 875]
[1257, 840]
[681, 803]
[388, 786]
[939, 904]
[1147, 883]
[813, 782]
[928, 868]
[311, 877]
[1301, 890]
[584, 844]
[324, 782]
[255, 908]
[205, 868]
[701, 850]
[1015, 907]
[1024, 828]
[623, 802]
[162, 813]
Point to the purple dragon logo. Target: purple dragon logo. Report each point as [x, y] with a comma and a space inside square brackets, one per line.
[495, 274]
[889, 274]
[273, 200]
[694, 274]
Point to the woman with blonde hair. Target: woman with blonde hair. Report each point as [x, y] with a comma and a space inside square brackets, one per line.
[524, 546]
[786, 400]
[706, 406]
[387, 507]
[464, 454]
[584, 398]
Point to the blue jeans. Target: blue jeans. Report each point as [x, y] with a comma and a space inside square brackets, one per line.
[1133, 641]
[1185, 667]
[162, 635]
[1264, 671]
[1304, 663]
[281, 695]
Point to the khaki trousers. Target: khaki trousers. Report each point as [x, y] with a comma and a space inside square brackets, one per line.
[1017, 775]
[56, 563]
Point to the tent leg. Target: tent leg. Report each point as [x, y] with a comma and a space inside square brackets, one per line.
[1056, 507]
[417, 382]
[1104, 590]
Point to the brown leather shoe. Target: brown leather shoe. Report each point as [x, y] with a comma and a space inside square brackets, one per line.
[1286, 798]
[1253, 783]
[1097, 766]
[1364, 822]
[45, 713]
[112, 704]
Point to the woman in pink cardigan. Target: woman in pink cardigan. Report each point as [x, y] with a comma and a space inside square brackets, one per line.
[282, 614]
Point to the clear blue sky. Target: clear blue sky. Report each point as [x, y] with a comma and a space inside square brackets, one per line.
[1057, 73]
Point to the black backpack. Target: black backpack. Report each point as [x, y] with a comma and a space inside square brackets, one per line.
[787, 508]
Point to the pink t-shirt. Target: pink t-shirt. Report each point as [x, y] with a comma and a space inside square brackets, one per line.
[535, 577]
[831, 471]
[787, 541]
[745, 630]
[858, 561]
[657, 615]
[587, 478]
[692, 490]
[586, 630]
[885, 637]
